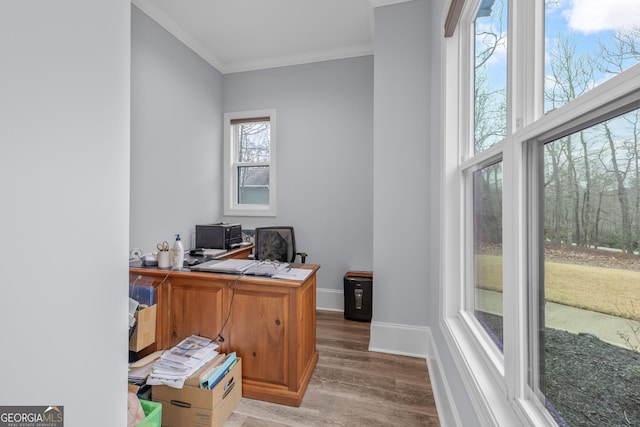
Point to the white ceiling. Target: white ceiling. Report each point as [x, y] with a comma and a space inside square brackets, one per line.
[242, 35]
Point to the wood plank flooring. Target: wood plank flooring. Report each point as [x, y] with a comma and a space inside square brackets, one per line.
[350, 386]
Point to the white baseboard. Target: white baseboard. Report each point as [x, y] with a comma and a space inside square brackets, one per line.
[398, 339]
[330, 299]
[447, 411]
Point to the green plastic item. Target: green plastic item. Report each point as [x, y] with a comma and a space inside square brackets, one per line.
[152, 412]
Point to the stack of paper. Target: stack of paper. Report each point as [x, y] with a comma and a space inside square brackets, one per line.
[139, 374]
[232, 265]
[139, 370]
[182, 361]
[293, 274]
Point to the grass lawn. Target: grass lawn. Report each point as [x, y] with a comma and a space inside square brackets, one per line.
[605, 290]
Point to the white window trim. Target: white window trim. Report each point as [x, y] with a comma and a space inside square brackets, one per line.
[499, 393]
[231, 206]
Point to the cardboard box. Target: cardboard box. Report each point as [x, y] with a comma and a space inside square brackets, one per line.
[145, 332]
[200, 407]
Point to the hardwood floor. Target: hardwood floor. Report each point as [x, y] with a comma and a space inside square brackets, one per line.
[351, 386]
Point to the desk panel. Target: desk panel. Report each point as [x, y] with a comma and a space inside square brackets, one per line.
[271, 325]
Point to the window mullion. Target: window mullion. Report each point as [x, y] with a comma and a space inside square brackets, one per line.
[514, 269]
[524, 105]
[526, 61]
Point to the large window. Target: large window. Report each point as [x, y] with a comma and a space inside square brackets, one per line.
[589, 327]
[250, 163]
[541, 265]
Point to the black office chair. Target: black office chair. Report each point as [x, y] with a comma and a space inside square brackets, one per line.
[277, 244]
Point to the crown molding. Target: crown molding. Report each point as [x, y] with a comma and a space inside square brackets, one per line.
[307, 58]
[178, 32]
[183, 36]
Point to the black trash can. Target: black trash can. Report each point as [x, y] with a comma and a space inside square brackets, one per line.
[358, 295]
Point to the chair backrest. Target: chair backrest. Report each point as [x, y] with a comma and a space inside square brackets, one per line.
[275, 244]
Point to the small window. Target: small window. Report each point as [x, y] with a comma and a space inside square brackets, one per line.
[250, 185]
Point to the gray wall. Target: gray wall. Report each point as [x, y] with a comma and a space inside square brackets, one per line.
[338, 122]
[176, 137]
[407, 162]
[64, 181]
[402, 205]
[324, 129]
[324, 152]
[65, 178]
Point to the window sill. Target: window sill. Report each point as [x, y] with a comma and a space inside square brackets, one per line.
[486, 392]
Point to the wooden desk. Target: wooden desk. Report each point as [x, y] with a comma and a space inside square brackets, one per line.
[272, 324]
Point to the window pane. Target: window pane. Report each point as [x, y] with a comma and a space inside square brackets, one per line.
[589, 371]
[253, 142]
[487, 247]
[253, 185]
[490, 74]
[586, 45]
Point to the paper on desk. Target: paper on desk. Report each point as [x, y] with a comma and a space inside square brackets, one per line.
[293, 274]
